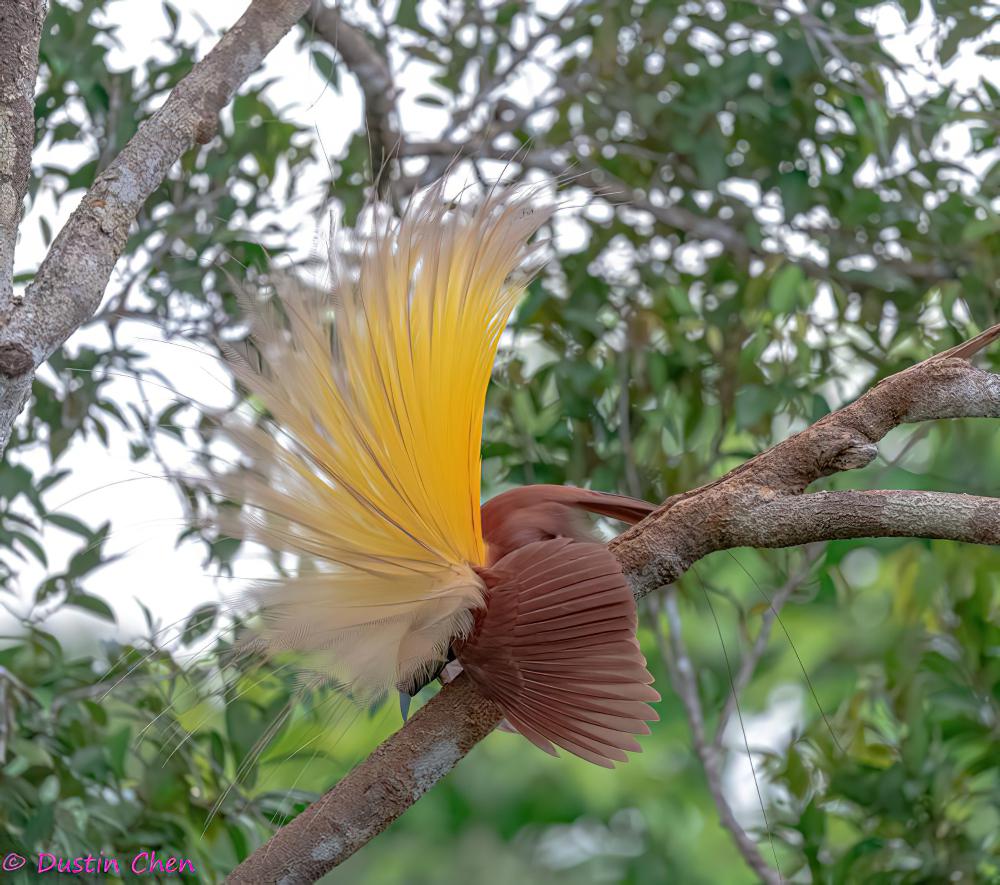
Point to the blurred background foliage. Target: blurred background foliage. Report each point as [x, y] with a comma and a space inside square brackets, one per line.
[768, 206]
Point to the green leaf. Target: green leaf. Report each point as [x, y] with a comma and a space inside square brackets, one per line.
[70, 524]
[93, 604]
[15, 480]
[166, 419]
[327, 67]
[173, 16]
[754, 403]
[783, 294]
[979, 229]
[201, 620]
[796, 193]
[505, 14]
[222, 550]
[406, 16]
[31, 544]
[48, 792]
[117, 748]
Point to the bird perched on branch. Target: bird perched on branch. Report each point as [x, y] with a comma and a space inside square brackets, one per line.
[369, 467]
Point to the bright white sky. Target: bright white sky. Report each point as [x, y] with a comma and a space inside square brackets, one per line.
[145, 511]
[103, 483]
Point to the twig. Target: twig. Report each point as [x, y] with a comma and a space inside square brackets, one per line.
[499, 78]
[603, 184]
[374, 79]
[749, 664]
[681, 670]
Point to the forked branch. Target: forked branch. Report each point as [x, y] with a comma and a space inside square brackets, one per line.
[759, 504]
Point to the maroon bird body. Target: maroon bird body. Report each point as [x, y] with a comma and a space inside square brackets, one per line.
[556, 646]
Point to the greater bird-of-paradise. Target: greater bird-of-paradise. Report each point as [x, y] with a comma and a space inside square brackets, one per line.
[369, 466]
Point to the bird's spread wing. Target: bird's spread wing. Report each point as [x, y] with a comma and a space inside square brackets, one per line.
[556, 650]
[369, 466]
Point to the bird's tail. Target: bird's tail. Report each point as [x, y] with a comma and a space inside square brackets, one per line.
[630, 510]
[556, 650]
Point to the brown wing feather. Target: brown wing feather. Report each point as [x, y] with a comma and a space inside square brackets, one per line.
[556, 650]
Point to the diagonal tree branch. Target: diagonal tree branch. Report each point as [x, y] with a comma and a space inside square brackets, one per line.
[72, 278]
[603, 184]
[725, 513]
[693, 524]
[20, 34]
[377, 792]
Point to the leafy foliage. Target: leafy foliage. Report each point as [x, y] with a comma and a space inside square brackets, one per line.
[760, 221]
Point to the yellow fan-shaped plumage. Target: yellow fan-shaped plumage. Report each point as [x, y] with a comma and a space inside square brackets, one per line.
[370, 464]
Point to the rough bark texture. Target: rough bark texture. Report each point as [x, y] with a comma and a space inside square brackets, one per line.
[372, 796]
[72, 278]
[20, 33]
[761, 504]
[826, 516]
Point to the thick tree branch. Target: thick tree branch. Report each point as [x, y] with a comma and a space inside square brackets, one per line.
[693, 524]
[725, 513]
[20, 33]
[72, 278]
[378, 791]
[827, 516]
[374, 78]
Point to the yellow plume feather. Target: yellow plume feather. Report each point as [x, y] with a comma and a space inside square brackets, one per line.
[371, 467]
